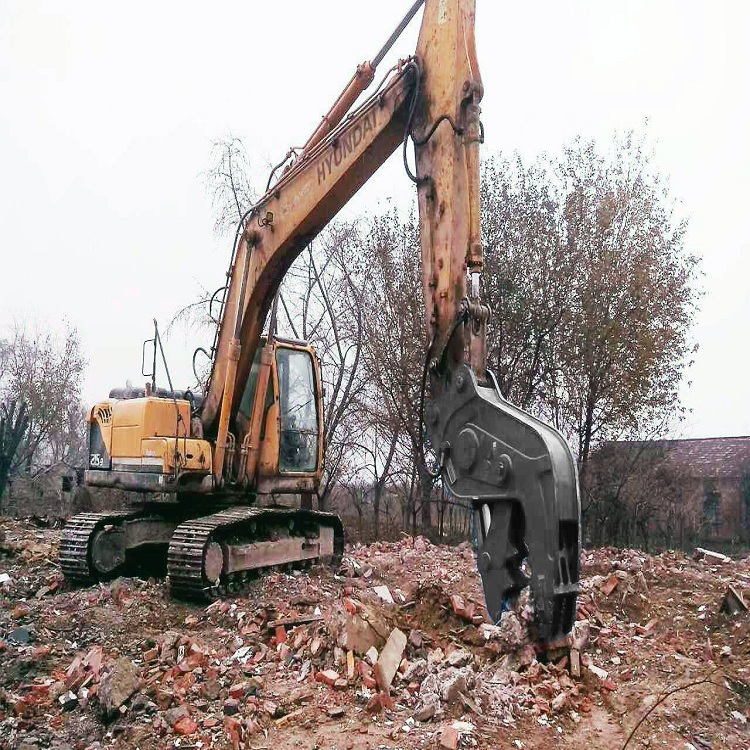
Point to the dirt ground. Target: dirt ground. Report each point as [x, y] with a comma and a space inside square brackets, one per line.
[283, 665]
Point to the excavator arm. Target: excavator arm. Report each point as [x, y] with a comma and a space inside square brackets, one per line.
[516, 472]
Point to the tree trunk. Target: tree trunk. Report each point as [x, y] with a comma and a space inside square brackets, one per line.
[425, 485]
[380, 484]
[376, 511]
[13, 425]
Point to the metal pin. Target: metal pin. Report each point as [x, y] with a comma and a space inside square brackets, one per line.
[475, 284]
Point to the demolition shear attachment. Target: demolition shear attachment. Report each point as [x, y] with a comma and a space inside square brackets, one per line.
[520, 477]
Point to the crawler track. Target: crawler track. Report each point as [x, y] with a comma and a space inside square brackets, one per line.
[196, 538]
[190, 543]
[74, 556]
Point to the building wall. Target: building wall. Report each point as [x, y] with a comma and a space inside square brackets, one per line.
[673, 493]
[729, 521]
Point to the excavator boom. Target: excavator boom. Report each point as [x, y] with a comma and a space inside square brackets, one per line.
[290, 215]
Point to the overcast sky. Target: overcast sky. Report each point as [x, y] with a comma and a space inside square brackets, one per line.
[108, 113]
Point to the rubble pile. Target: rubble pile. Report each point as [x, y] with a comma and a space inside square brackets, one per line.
[392, 651]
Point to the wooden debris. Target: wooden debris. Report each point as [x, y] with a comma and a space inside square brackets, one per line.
[298, 620]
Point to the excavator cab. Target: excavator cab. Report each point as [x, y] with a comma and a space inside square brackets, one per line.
[143, 439]
[281, 415]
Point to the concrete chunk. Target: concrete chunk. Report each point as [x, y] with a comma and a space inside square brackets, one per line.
[602, 674]
[329, 677]
[459, 658]
[426, 711]
[715, 558]
[117, 685]
[360, 632]
[384, 593]
[390, 658]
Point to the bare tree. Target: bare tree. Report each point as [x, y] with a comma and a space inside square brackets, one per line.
[394, 347]
[528, 276]
[374, 451]
[625, 349]
[231, 190]
[13, 424]
[322, 301]
[44, 371]
[228, 182]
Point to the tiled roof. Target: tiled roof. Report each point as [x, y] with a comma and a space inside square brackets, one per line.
[705, 457]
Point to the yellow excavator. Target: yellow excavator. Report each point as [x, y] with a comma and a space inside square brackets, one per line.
[213, 465]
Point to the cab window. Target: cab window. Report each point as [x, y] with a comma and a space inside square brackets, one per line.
[248, 396]
[298, 448]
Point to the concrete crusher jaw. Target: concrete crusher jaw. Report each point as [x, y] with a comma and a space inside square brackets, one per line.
[520, 477]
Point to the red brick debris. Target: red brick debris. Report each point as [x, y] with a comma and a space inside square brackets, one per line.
[393, 650]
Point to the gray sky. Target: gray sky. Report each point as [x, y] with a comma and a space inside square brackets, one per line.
[108, 113]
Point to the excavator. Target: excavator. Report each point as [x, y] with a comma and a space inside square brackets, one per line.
[213, 466]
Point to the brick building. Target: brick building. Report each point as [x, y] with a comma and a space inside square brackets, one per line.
[674, 491]
[720, 472]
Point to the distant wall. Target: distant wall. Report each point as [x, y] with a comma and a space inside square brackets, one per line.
[57, 494]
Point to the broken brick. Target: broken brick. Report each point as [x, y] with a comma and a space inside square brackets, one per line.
[610, 585]
[185, 726]
[449, 738]
[239, 689]
[378, 702]
[328, 677]
[461, 608]
[389, 659]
